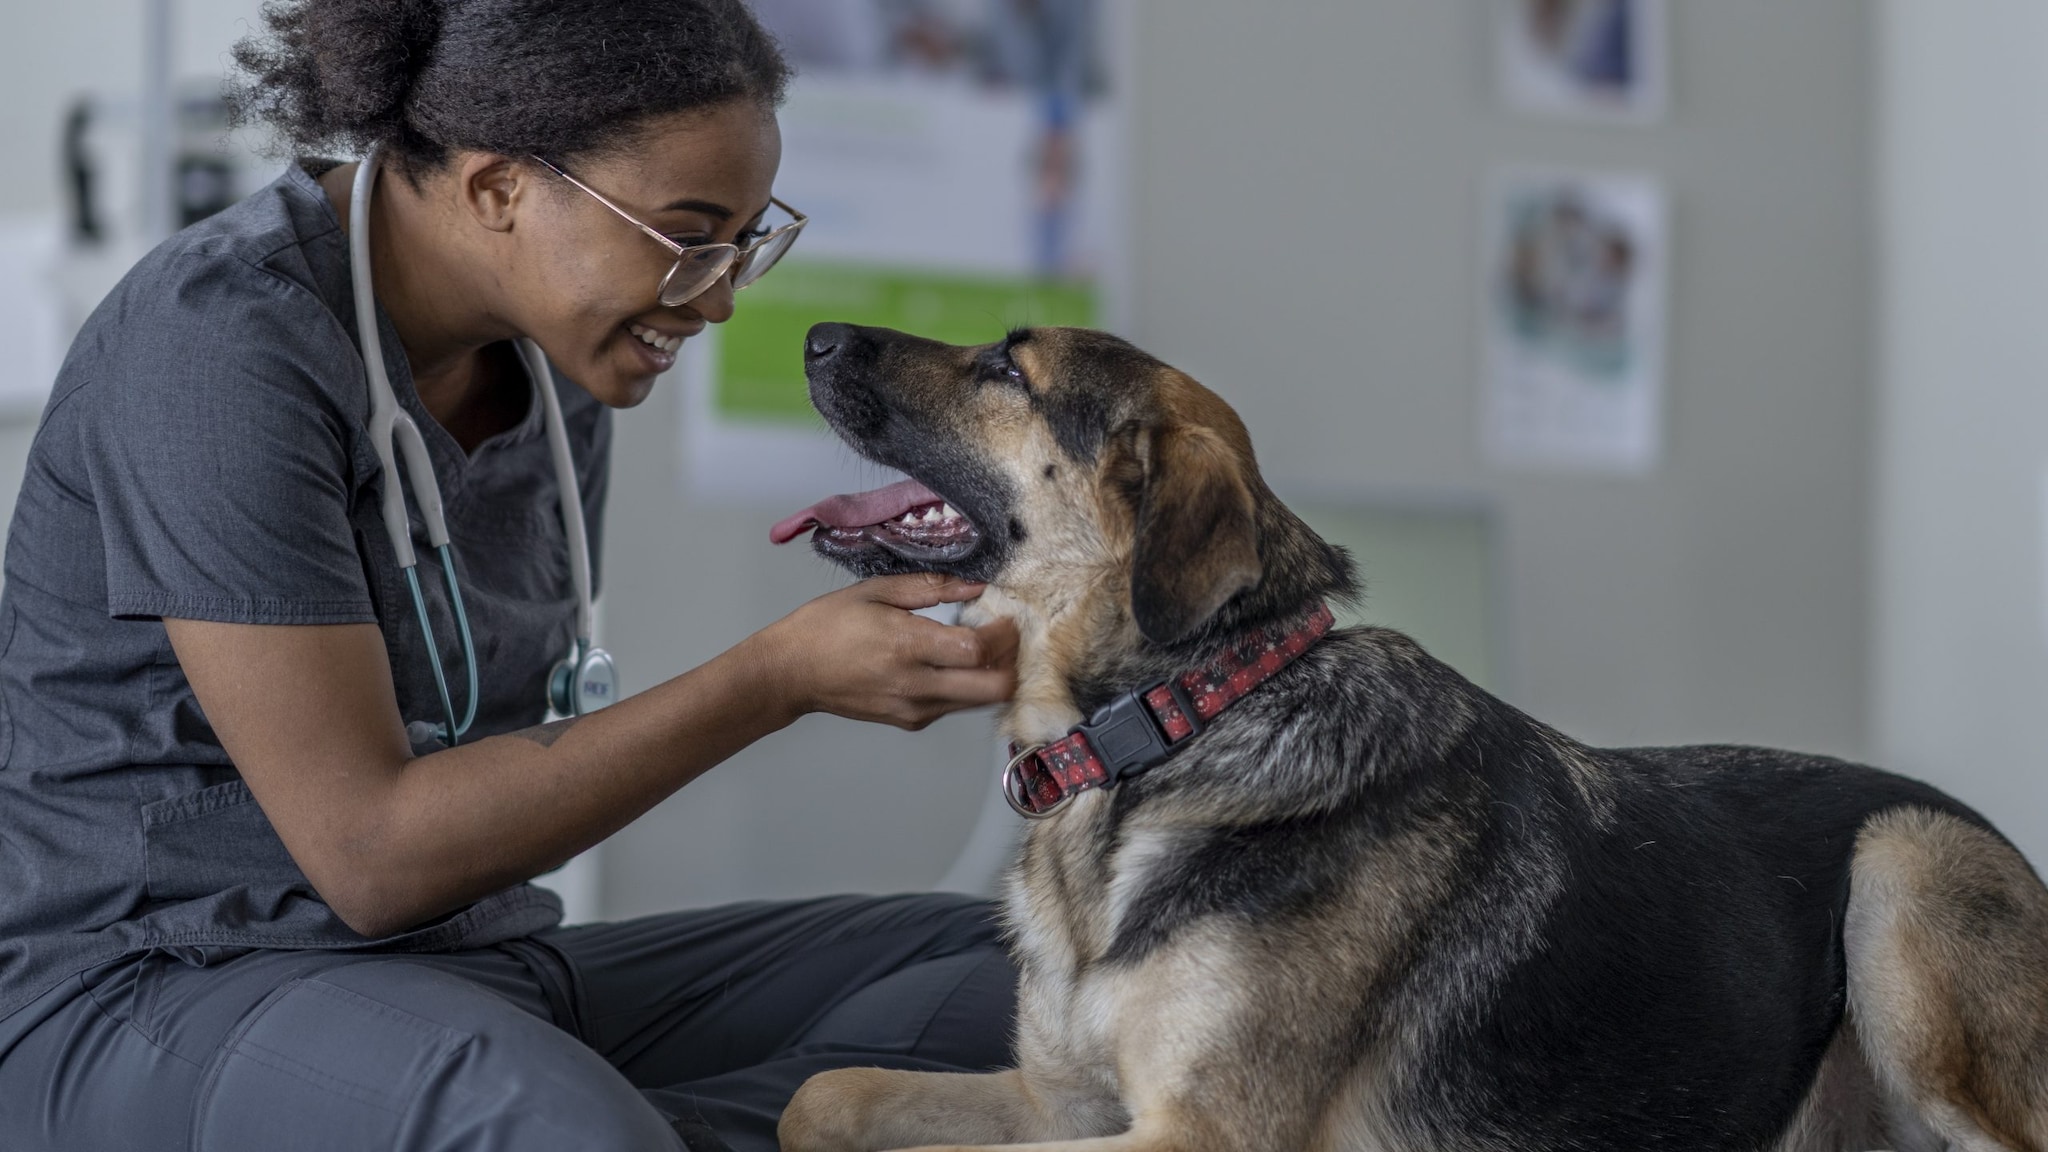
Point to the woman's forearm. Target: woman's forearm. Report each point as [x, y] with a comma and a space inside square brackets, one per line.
[308, 716]
[456, 825]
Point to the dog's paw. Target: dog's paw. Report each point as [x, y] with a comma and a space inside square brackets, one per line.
[829, 1113]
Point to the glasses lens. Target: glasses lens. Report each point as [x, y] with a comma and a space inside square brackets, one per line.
[755, 264]
[697, 269]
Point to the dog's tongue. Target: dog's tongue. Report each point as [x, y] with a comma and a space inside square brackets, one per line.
[856, 509]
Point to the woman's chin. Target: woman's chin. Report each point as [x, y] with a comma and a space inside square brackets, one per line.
[620, 382]
[614, 391]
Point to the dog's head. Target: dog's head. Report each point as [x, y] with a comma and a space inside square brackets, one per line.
[1080, 478]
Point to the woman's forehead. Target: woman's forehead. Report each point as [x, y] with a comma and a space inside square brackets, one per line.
[720, 163]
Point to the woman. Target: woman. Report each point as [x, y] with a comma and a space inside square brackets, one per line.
[247, 899]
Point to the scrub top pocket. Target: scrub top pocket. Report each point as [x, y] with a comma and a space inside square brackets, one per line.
[212, 840]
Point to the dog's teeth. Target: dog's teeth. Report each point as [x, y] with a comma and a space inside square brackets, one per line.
[909, 518]
[948, 512]
[931, 515]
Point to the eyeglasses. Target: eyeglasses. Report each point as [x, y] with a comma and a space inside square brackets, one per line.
[699, 266]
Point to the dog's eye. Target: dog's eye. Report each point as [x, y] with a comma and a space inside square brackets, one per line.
[1003, 370]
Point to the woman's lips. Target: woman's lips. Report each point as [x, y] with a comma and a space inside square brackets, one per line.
[657, 349]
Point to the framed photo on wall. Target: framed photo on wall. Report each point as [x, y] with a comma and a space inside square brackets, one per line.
[1575, 284]
[1585, 59]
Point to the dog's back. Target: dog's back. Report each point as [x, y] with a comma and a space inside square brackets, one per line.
[1688, 975]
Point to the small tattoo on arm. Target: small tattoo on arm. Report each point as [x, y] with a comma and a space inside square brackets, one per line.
[545, 735]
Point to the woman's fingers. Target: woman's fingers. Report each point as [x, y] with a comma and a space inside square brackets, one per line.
[861, 652]
[957, 688]
[919, 590]
[999, 640]
[992, 645]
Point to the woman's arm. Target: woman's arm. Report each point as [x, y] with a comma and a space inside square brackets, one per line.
[309, 718]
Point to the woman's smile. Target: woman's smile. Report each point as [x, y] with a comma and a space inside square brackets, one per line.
[654, 348]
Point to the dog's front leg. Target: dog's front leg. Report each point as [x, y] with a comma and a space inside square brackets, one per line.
[874, 1109]
[1138, 1139]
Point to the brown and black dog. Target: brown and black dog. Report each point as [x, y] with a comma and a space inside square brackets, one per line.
[1372, 907]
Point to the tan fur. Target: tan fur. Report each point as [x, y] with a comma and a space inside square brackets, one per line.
[1947, 942]
[1196, 544]
[1845, 1109]
[1064, 591]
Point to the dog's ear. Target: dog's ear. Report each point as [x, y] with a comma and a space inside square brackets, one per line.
[1196, 541]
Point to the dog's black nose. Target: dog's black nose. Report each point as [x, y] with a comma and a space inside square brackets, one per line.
[825, 340]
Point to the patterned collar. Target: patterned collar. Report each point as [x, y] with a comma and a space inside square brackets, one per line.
[1144, 726]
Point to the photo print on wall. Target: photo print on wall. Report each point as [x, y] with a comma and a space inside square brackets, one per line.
[1575, 318]
[1585, 59]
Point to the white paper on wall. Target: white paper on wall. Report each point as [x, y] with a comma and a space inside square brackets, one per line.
[1574, 309]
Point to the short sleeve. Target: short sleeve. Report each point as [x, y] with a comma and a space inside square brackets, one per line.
[217, 443]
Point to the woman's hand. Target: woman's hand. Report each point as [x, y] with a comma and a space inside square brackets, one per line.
[860, 653]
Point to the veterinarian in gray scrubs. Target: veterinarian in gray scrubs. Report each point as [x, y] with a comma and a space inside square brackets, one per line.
[247, 901]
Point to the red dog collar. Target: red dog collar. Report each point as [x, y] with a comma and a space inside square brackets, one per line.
[1144, 726]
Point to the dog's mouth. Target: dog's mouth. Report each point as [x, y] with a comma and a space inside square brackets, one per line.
[906, 519]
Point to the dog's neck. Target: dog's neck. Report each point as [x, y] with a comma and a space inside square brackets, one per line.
[1051, 640]
[1071, 663]
[1075, 654]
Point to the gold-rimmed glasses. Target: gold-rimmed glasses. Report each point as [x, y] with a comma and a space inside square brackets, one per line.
[699, 266]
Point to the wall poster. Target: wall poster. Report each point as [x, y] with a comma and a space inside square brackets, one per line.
[1575, 319]
[962, 165]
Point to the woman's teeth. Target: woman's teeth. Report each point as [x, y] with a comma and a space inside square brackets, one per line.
[653, 339]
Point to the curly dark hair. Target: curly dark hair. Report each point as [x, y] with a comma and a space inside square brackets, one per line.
[555, 77]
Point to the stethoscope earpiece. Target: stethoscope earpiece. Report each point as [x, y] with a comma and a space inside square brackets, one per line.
[577, 686]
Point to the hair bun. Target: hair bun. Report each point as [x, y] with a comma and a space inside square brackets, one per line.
[367, 54]
[554, 77]
[336, 72]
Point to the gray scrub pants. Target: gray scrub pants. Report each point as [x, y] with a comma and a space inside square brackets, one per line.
[668, 1032]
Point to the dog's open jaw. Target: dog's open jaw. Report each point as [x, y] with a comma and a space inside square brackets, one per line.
[907, 518]
[918, 525]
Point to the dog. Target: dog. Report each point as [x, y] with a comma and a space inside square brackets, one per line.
[1369, 906]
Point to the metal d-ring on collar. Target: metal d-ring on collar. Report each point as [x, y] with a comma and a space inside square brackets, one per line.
[1015, 792]
[1125, 736]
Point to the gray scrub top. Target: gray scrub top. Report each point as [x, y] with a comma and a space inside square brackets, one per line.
[203, 455]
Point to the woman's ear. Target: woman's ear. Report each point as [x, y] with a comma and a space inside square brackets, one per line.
[1197, 542]
[491, 188]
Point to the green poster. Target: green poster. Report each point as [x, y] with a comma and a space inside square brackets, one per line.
[759, 374]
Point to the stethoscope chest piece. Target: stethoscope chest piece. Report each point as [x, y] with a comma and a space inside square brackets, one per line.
[583, 683]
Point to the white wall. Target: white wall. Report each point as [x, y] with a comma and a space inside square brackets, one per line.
[1325, 277]
[1309, 173]
[1960, 616]
[51, 52]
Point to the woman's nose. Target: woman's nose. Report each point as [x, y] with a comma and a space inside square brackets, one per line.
[715, 303]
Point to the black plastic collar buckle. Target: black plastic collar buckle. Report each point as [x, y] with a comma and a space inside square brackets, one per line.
[1128, 738]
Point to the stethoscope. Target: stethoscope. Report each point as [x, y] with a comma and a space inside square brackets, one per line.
[579, 685]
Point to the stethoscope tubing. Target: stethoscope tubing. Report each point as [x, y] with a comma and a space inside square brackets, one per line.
[396, 437]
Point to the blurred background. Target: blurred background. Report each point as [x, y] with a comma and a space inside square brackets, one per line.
[1678, 372]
